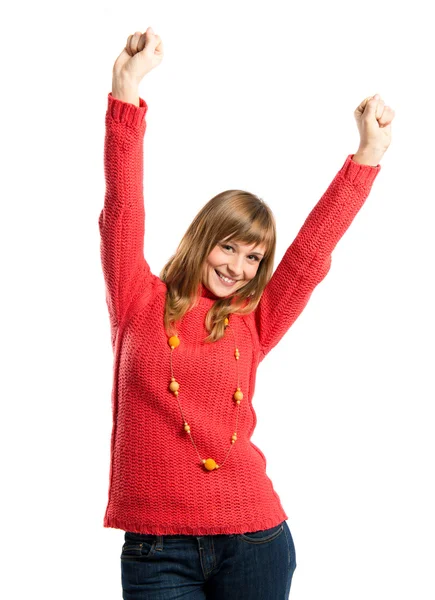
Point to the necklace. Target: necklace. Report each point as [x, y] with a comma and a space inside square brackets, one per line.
[209, 464]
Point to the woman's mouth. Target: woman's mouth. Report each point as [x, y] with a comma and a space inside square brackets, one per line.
[225, 280]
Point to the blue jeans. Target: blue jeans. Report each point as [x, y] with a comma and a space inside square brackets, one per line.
[254, 566]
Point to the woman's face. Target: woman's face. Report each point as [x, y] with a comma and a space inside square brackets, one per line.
[237, 262]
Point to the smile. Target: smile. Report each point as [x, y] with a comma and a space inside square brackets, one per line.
[225, 280]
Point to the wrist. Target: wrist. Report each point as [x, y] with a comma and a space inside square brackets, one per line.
[124, 90]
[367, 156]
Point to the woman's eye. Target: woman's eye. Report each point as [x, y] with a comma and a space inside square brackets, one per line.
[254, 256]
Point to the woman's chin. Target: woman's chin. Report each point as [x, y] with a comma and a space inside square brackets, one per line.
[219, 292]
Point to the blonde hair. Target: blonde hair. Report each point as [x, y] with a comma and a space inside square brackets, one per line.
[231, 215]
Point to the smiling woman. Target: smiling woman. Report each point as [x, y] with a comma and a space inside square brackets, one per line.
[190, 488]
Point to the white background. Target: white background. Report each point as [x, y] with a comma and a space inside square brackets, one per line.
[258, 96]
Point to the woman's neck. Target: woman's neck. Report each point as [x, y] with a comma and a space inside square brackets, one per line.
[204, 292]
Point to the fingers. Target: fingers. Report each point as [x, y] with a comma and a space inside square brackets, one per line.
[152, 39]
[386, 117]
[142, 41]
[159, 46]
[379, 109]
[384, 114]
[127, 45]
[137, 41]
[361, 108]
[134, 41]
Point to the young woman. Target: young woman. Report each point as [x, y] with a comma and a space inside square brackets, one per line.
[188, 487]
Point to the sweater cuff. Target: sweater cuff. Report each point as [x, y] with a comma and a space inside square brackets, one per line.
[358, 173]
[125, 112]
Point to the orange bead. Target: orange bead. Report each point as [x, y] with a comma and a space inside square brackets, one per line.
[238, 395]
[210, 464]
[174, 341]
[174, 386]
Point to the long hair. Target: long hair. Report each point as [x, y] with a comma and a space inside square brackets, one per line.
[231, 215]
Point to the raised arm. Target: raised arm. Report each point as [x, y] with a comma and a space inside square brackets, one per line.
[122, 220]
[308, 259]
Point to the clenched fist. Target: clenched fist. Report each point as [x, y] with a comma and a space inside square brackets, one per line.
[142, 53]
[373, 119]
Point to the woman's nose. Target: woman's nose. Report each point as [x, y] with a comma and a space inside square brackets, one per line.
[235, 267]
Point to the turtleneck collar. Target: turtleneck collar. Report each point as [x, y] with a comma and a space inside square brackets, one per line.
[204, 292]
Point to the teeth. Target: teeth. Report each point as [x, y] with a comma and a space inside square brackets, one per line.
[225, 278]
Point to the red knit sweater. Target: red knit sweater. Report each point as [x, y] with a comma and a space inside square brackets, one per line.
[157, 484]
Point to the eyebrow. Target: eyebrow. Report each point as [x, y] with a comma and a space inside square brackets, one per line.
[237, 245]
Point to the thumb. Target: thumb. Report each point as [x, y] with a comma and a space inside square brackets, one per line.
[372, 106]
[152, 40]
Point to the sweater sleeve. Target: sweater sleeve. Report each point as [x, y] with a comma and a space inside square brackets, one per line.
[308, 259]
[122, 219]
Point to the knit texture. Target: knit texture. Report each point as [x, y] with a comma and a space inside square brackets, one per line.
[157, 484]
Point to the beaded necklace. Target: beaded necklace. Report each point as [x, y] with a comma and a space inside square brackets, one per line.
[209, 464]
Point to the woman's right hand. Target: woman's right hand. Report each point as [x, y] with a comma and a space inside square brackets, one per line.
[141, 54]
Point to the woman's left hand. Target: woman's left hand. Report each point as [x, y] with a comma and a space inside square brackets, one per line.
[374, 120]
